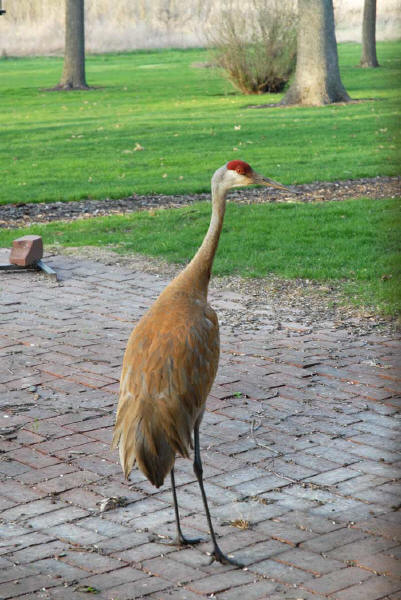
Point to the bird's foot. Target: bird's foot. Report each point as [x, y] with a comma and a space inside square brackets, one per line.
[181, 540]
[218, 555]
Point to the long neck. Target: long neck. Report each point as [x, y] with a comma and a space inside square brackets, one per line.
[200, 267]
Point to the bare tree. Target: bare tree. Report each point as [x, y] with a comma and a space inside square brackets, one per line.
[317, 77]
[369, 58]
[73, 76]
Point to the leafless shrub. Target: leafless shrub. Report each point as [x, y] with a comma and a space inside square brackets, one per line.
[255, 44]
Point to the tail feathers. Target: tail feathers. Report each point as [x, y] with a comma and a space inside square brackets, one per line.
[154, 455]
[146, 444]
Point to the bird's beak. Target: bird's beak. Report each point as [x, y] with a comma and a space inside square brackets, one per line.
[259, 179]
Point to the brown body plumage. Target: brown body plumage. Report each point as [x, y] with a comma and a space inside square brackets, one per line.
[169, 367]
[171, 361]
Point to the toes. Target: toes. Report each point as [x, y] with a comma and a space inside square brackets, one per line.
[224, 559]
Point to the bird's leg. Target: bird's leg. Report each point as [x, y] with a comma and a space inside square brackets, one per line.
[198, 469]
[181, 540]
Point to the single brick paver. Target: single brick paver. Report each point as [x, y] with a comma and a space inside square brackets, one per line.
[336, 580]
[370, 589]
[300, 449]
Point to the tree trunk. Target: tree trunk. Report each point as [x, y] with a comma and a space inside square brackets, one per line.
[73, 76]
[317, 77]
[369, 58]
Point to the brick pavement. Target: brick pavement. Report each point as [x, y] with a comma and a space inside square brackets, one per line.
[299, 445]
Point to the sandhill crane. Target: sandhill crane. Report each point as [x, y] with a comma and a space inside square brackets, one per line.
[171, 361]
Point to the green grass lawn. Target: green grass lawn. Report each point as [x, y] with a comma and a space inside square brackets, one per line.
[188, 120]
[354, 242]
[72, 145]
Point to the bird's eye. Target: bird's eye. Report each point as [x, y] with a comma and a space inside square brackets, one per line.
[240, 171]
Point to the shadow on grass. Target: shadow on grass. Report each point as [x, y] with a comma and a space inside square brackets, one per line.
[283, 105]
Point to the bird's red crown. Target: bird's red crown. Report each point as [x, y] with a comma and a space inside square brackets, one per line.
[240, 166]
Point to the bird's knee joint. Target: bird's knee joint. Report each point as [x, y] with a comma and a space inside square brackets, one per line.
[198, 469]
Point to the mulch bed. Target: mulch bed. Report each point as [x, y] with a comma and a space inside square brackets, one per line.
[20, 215]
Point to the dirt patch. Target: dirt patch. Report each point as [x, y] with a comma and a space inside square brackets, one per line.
[20, 215]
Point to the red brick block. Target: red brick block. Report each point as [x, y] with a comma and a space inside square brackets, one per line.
[336, 580]
[143, 587]
[115, 578]
[26, 250]
[309, 561]
[90, 561]
[381, 564]
[30, 584]
[171, 570]
[371, 589]
[220, 582]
